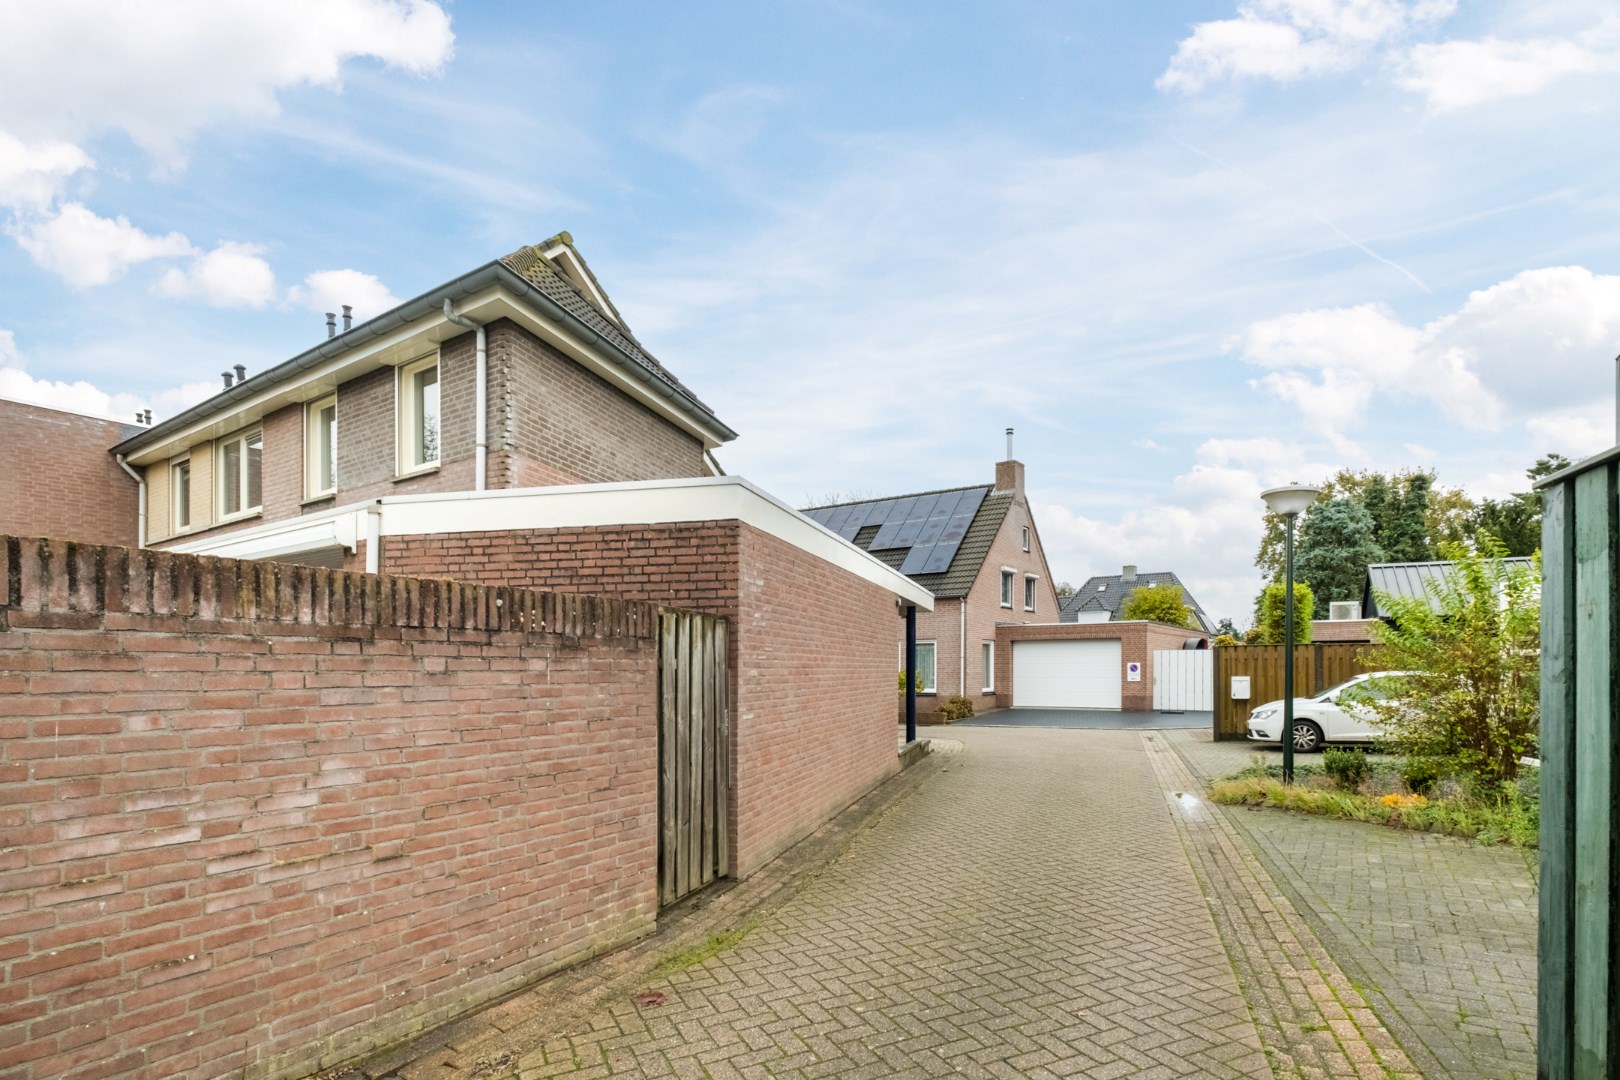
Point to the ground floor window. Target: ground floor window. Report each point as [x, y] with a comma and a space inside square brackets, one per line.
[989, 667]
[927, 667]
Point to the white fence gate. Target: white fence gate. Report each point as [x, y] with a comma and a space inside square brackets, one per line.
[1184, 680]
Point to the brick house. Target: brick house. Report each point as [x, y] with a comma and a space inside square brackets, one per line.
[508, 431]
[1103, 596]
[986, 573]
[83, 495]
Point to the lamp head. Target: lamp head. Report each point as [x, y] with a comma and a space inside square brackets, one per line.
[1290, 499]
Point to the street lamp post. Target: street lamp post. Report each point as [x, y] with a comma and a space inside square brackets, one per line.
[1289, 501]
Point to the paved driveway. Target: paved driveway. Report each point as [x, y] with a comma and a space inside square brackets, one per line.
[1030, 913]
[1088, 719]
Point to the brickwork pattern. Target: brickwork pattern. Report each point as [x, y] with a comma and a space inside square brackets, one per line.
[57, 478]
[1313, 1020]
[1138, 640]
[563, 424]
[262, 818]
[812, 691]
[1057, 934]
[1439, 933]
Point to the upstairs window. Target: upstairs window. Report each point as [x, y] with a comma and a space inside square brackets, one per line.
[1029, 594]
[320, 455]
[1006, 588]
[1026, 537]
[180, 494]
[241, 468]
[419, 415]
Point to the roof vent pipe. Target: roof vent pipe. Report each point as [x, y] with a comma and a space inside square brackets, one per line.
[1009, 444]
[331, 324]
[227, 377]
[241, 373]
[348, 318]
[148, 417]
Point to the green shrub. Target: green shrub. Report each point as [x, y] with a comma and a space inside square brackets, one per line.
[1348, 768]
[1420, 773]
[1223, 639]
[956, 708]
[917, 680]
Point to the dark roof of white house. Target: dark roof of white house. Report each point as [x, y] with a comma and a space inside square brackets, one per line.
[1107, 592]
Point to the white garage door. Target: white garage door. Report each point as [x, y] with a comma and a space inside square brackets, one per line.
[1066, 674]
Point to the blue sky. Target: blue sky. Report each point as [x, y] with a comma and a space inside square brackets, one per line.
[1186, 249]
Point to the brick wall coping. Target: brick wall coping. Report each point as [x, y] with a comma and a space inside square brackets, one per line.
[640, 502]
[59, 583]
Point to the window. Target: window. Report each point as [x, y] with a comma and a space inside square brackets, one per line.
[1029, 594]
[241, 464]
[989, 666]
[1006, 588]
[1026, 537]
[320, 450]
[180, 494]
[925, 667]
[419, 415]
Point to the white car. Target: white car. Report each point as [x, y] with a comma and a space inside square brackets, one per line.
[1326, 718]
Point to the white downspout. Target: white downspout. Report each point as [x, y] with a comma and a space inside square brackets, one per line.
[480, 397]
[139, 478]
[961, 661]
[374, 537]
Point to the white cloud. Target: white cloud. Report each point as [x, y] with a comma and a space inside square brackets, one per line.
[31, 176]
[82, 397]
[232, 275]
[1530, 346]
[86, 249]
[1286, 40]
[1458, 74]
[329, 290]
[71, 68]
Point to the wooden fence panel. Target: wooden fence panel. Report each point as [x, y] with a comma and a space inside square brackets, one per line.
[694, 729]
[1317, 666]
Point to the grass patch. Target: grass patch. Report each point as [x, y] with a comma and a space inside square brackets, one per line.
[713, 945]
[1456, 806]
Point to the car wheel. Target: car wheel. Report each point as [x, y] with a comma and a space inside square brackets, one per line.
[1307, 737]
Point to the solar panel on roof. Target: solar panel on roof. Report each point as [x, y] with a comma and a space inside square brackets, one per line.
[839, 515]
[886, 537]
[864, 515]
[915, 520]
[950, 541]
[928, 534]
[820, 514]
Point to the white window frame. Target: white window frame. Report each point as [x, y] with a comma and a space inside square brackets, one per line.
[1007, 587]
[405, 417]
[244, 436]
[934, 687]
[1030, 591]
[1026, 537]
[175, 503]
[312, 447]
[987, 655]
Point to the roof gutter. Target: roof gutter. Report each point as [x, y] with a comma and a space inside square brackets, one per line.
[428, 304]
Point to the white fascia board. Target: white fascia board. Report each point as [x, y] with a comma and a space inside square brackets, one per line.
[318, 532]
[646, 502]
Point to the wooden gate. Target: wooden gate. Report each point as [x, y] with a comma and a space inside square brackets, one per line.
[1317, 666]
[694, 741]
[1184, 680]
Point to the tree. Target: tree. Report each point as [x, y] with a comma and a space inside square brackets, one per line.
[1477, 652]
[1335, 549]
[1269, 624]
[1516, 520]
[1164, 604]
[1224, 628]
[1401, 530]
[1064, 590]
[1403, 509]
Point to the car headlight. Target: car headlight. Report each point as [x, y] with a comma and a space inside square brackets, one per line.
[1261, 714]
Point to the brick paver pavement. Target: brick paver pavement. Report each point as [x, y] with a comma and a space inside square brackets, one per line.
[1439, 934]
[1029, 912]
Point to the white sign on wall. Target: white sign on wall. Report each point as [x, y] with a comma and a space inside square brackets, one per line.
[1240, 688]
[1133, 671]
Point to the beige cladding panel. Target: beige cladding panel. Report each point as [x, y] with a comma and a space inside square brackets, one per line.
[159, 513]
[202, 486]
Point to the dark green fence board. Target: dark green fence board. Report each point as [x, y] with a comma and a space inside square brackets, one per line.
[1557, 789]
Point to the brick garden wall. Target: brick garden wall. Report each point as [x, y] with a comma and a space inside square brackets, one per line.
[57, 478]
[812, 650]
[261, 818]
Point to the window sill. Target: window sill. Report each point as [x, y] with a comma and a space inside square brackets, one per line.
[246, 515]
[330, 496]
[1007, 606]
[425, 470]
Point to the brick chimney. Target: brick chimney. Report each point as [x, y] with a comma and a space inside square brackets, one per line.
[1010, 473]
